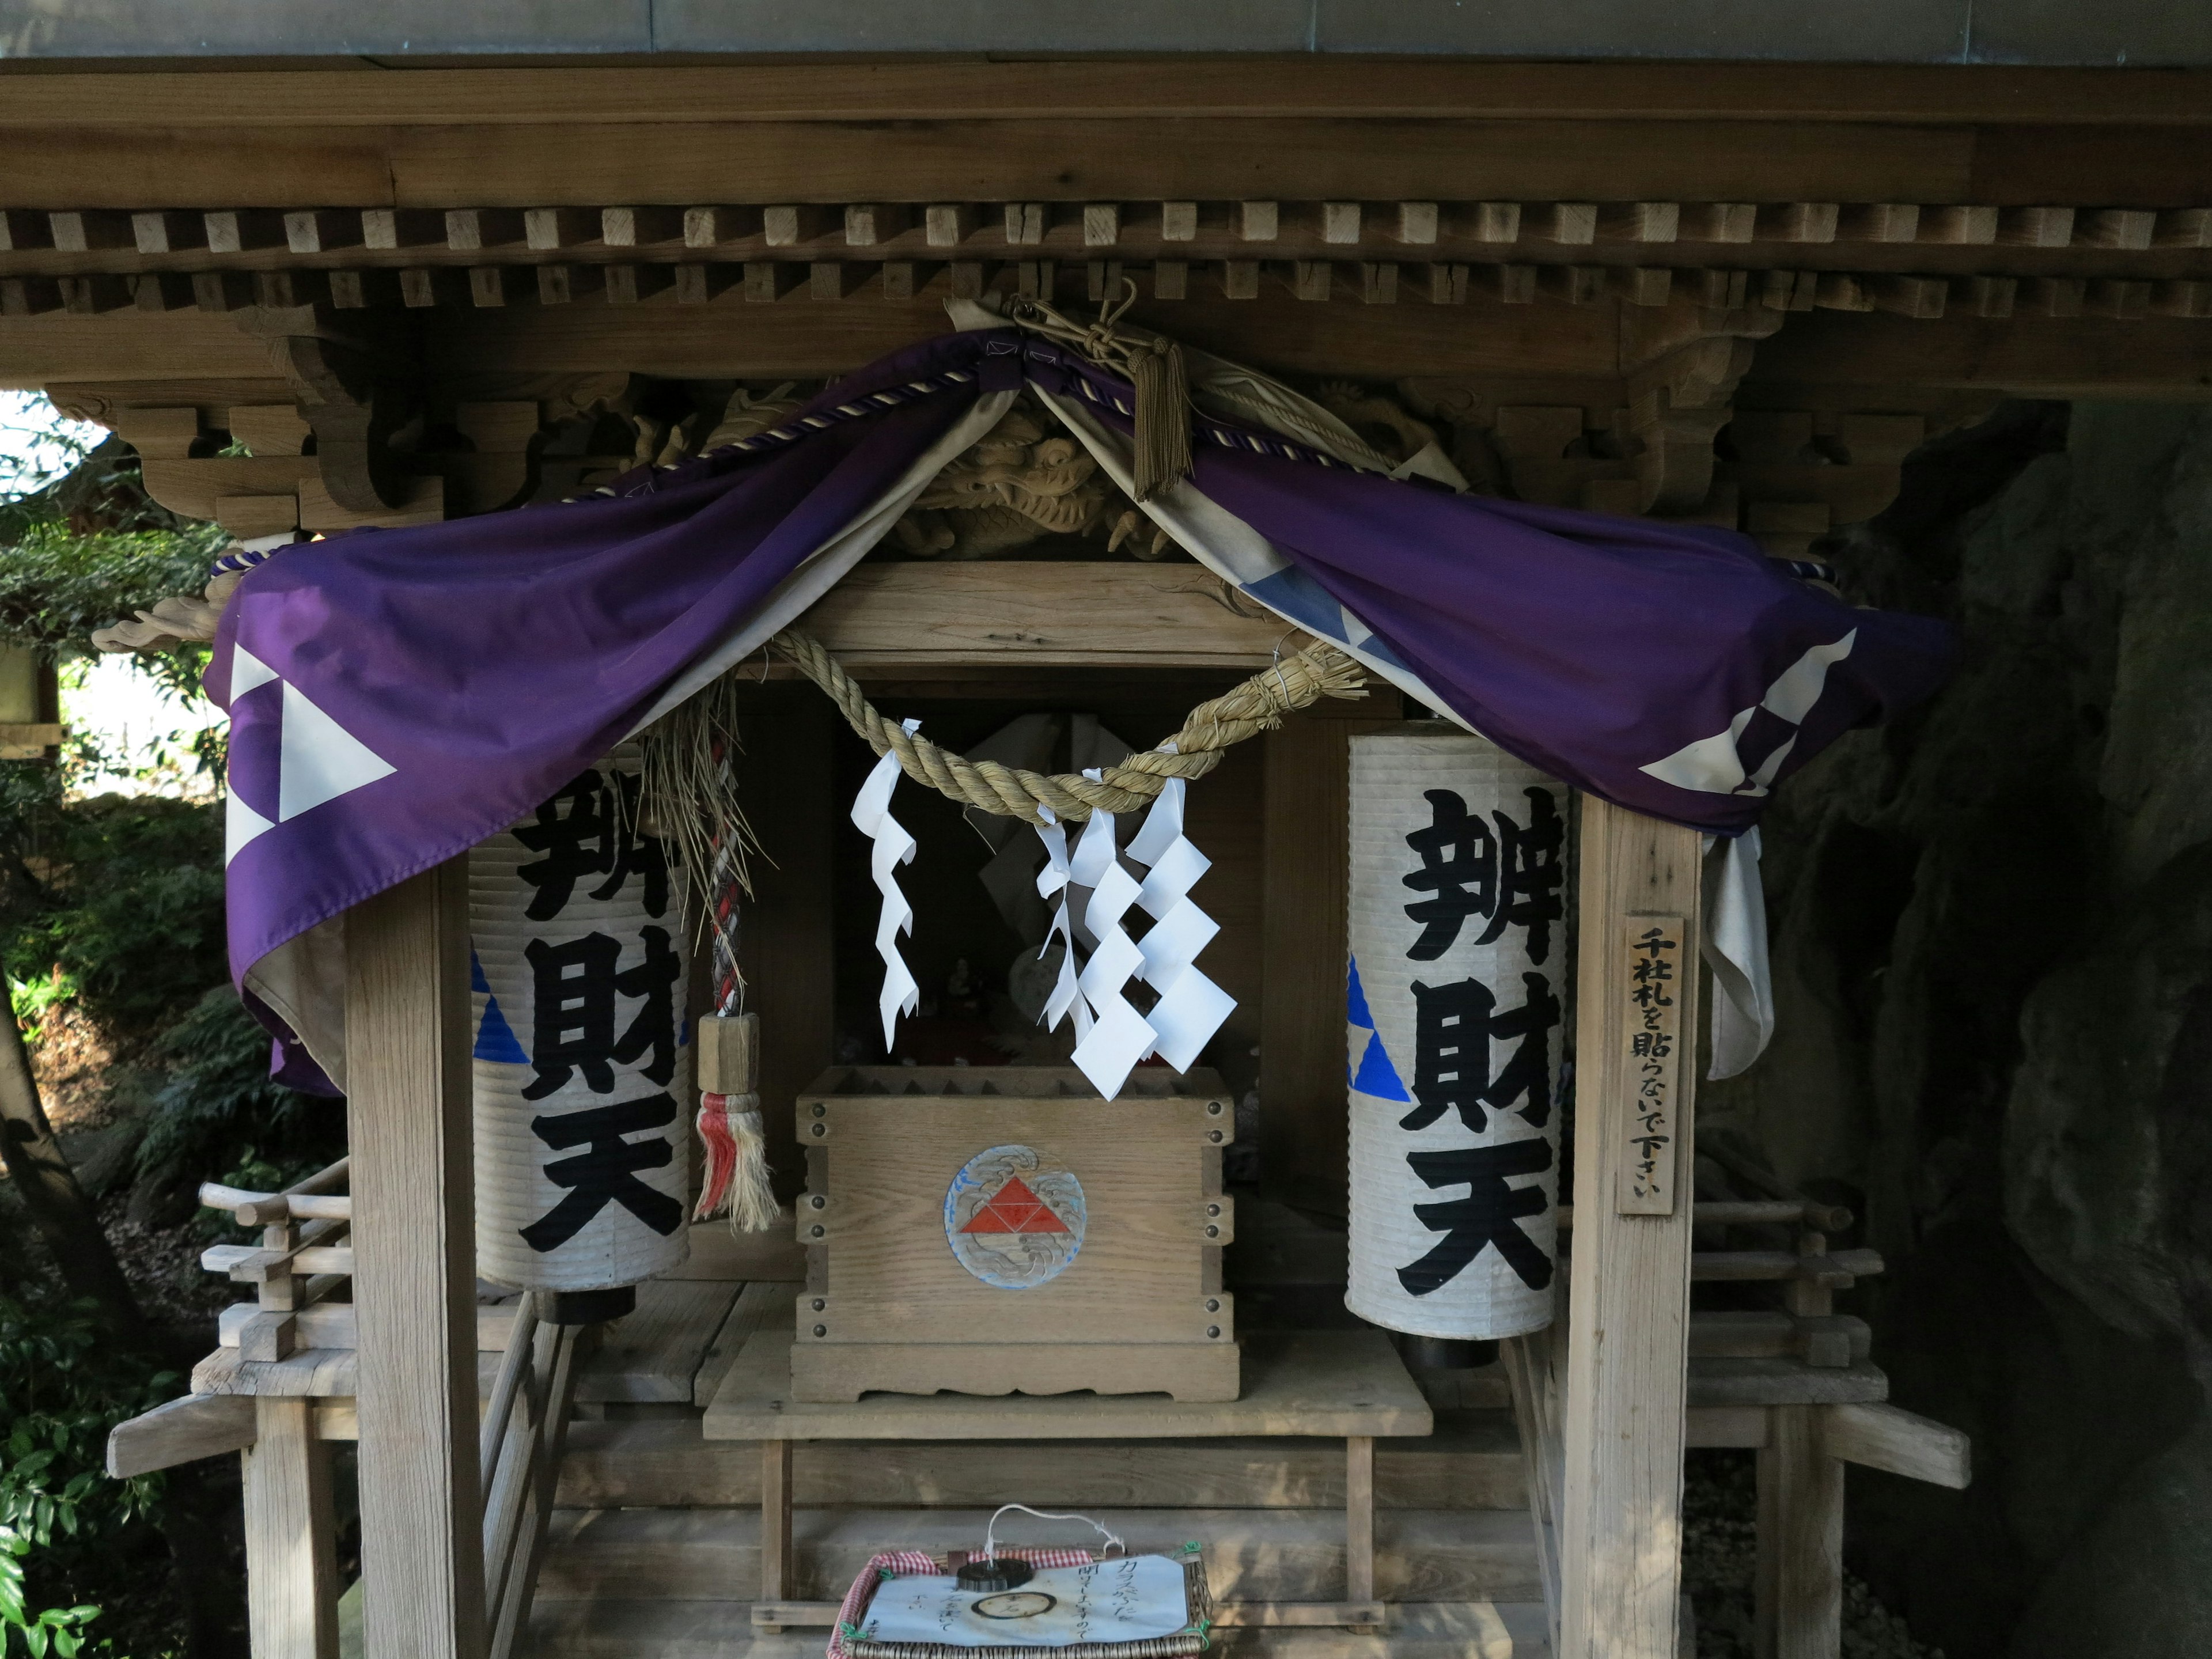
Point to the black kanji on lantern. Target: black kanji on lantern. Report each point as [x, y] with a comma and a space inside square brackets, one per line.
[653, 1030]
[1490, 1214]
[598, 835]
[1453, 1028]
[606, 1172]
[575, 985]
[1510, 874]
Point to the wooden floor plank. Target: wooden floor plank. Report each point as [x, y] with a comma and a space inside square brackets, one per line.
[1471, 1461]
[655, 1353]
[1288, 1555]
[759, 1307]
[607, 1628]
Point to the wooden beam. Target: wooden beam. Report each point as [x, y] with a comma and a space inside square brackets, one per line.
[407, 1107]
[1006, 616]
[291, 1568]
[1628, 1304]
[1889, 1438]
[1135, 91]
[181, 1431]
[2025, 356]
[470, 168]
[812, 337]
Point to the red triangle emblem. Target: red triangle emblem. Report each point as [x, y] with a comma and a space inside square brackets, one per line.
[1015, 1209]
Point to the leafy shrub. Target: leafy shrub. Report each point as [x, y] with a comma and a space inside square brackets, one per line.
[220, 1111]
[74, 1543]
[127, 901]
[57, 587]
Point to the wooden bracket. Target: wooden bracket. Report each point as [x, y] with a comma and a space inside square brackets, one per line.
[1683, 370]
[350, 391]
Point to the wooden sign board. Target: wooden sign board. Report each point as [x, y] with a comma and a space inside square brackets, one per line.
[1658, 958]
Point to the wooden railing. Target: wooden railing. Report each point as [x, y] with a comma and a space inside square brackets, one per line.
[281, 1386]
[1793, 1383]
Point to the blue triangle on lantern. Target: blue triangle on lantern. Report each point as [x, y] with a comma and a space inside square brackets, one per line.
[1355, 999]
[1373, 1075]
[477, 980]
[495, 1037]
[1377, 1077]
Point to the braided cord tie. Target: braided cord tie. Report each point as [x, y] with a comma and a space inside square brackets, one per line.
[1257, 705]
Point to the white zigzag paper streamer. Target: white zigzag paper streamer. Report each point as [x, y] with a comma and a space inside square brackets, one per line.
[1052, 881]
[1111, 1036]
[1191, 1006]
[893, 847]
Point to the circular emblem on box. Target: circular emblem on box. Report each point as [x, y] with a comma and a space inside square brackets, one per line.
[1014, 1217]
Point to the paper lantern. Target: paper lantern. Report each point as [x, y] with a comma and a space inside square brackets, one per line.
[582, 1056]
[1458, 937]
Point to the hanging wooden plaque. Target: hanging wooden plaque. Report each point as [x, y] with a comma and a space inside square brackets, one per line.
[1658, 959]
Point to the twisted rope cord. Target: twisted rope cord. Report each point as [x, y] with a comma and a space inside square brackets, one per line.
[1258, 705]
[723, 889]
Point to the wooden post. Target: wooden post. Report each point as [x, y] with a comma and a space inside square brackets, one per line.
[1629, 1288]
[291, 1570]
[776, 1525]
[408, 1111]
[1799, 1612]
[1359, 1517]
[786, 946]
[1305, 810]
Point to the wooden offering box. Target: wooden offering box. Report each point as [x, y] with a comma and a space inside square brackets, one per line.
[993, 1231]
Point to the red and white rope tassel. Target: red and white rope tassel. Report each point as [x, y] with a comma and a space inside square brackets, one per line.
[728, 1051]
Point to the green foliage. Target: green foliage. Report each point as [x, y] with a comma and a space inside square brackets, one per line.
[57, 586]
[32, 1000]
[68, 1533]
[126, 899]
[219, 1109]
[82, 544]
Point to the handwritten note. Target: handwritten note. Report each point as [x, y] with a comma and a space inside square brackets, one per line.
[1657, 963]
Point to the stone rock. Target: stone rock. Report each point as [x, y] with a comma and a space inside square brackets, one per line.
[1992, 927]
[2138, 1583]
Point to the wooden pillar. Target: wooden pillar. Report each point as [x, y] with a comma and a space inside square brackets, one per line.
[776, 1577]
[1800, 1597]
[1359, 1517]
[1305, 802]
[1629, 1288]
[787, 939]
[408, 1113]
[291, 1570]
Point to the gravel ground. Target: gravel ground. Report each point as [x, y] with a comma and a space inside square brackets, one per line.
[1720, 1552]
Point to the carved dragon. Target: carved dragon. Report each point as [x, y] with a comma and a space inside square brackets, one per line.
[1016, 483]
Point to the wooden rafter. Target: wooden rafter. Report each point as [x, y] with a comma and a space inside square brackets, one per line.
[1346, 87]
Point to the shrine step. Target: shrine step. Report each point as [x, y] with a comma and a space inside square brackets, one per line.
[629, 1629]
[1472, 1461]
[1252, 1554]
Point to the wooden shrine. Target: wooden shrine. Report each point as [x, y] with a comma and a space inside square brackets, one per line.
[1739, 295]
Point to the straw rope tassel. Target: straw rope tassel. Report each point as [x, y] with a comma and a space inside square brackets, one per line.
[1154, 367]
[729, 1123]
[1162, 437]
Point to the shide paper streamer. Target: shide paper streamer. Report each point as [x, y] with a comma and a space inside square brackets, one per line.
[1111, 1036]
[871, 816]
